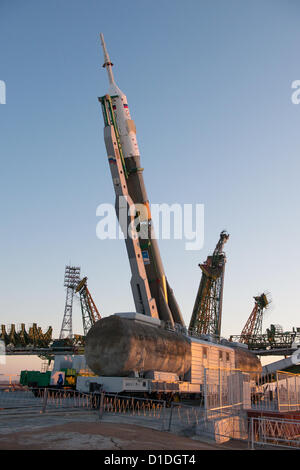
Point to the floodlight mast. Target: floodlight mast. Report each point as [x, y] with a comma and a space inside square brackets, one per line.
[71, 280]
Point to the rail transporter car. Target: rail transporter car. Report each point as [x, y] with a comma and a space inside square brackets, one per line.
[130, 353]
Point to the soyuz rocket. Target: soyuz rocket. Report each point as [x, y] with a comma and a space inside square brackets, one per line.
[151, 291]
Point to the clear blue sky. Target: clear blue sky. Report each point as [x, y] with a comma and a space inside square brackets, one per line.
[209, 87]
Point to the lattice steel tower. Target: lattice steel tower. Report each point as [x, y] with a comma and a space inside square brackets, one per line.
[207, 312]
[253, 326]
[90, 313]
[72, 278]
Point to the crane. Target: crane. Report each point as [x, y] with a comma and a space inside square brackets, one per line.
[90, 313]
[207, 311]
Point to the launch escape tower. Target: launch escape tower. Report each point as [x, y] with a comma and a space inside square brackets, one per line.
[207, 312]
[71, 280]
[90, 313]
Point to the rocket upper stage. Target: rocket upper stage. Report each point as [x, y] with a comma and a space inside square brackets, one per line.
[126, 126]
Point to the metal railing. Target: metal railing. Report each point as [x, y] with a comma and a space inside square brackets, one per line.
[47, 399]
[183, 417]
[226, 390]
[275, 392]
[264, 431]
[11, 399]
[120, 404]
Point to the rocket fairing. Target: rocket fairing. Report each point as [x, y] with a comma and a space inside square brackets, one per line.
[151, 291]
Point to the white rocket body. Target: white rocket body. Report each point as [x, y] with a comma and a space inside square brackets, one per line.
[126, 125]
[151, 291]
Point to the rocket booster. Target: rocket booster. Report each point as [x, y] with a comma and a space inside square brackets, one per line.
[134, 187]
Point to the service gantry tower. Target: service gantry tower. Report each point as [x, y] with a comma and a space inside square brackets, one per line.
[90, 313]
[253, 327]
[207, 312]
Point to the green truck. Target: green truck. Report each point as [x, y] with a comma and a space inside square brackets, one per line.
[36, 379]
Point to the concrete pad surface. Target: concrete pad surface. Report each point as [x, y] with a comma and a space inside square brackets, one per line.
[77, 431]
